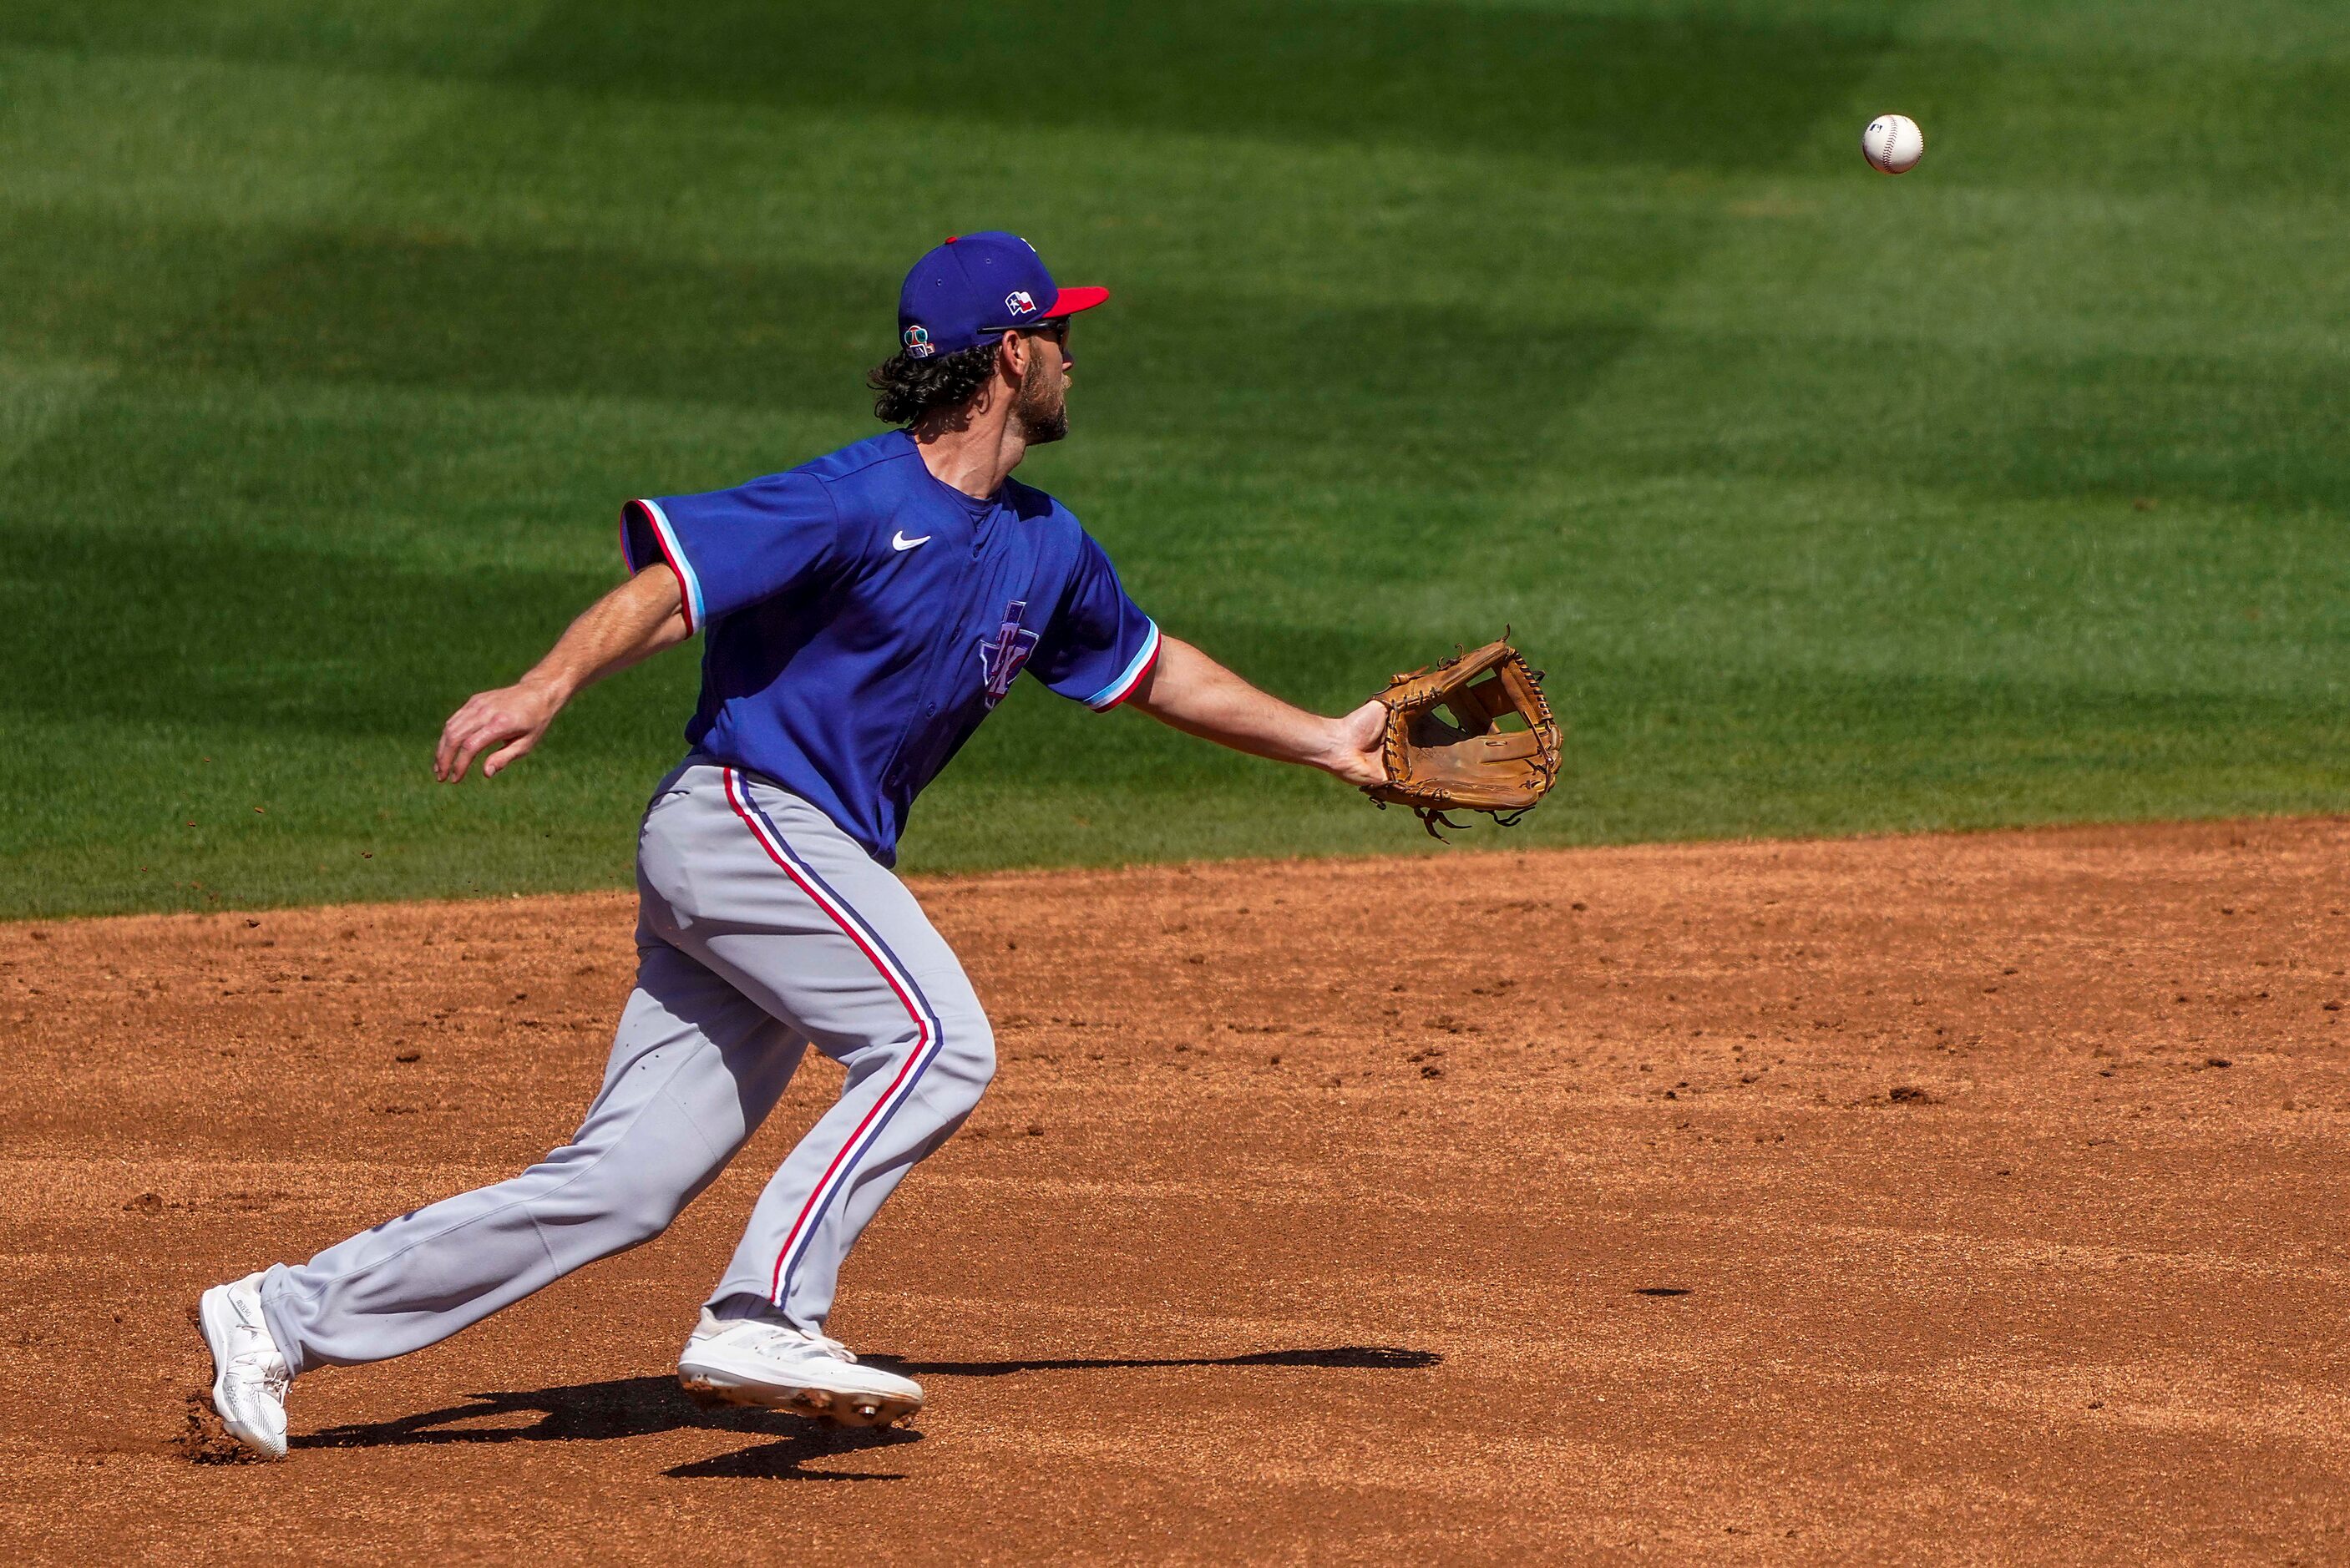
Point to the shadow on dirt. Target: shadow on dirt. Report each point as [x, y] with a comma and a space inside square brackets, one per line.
[1350, 1357]
[624, 1407]
[644, 1406]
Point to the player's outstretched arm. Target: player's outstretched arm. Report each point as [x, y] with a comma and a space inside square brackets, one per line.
[634, 621]
[1191, 693]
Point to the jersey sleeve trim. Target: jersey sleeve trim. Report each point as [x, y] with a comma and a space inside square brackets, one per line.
[674, 554]
[1119, 690]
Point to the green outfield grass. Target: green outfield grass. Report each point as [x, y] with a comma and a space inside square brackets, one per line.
[333, 334]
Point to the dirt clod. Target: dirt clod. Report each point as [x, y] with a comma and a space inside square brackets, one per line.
[202, 1440]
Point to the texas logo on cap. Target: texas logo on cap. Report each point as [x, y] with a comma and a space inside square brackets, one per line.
[976, 285]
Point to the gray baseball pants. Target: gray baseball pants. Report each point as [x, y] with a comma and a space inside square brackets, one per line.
[762, 928]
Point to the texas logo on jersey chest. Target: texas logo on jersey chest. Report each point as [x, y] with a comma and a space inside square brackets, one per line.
[1002, 654]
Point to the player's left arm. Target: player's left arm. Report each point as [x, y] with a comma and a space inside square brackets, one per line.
[1188, 690]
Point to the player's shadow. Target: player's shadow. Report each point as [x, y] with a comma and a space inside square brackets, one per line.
[646, 1407]
[1350, 1357]
[626, 1407]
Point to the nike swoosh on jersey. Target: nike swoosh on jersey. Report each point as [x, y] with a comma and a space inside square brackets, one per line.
[899, 541]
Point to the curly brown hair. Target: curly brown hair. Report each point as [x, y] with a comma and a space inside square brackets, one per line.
[905, 389]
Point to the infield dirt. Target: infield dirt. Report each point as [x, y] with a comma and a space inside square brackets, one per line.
[1898, 1199]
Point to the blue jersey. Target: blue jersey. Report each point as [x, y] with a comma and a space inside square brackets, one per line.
[859, 618]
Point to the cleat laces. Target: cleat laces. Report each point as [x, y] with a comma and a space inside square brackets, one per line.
[793, 1337]
[266, 1367]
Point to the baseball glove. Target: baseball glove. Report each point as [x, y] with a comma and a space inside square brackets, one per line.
[1459, 759]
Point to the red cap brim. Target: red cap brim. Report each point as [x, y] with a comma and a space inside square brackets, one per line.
[1069, 301]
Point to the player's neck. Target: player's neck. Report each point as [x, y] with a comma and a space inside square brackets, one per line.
[977, 457]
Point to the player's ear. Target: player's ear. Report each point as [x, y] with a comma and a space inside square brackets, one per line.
[1012, 357]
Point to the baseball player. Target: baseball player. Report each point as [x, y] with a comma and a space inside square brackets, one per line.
[860, 614]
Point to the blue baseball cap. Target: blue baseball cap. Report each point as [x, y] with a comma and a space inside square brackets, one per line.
[976, 285]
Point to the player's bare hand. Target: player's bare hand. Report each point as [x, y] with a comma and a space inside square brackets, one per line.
[1356, 752]
[510, 718]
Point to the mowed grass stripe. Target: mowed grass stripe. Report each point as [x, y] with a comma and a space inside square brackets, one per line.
[1748, 569]
[1797, 768]
[2047, 95]
[1441, 74]
[1997, 420]
[164, 139]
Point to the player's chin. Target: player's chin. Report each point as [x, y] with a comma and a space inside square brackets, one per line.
[1043, 430]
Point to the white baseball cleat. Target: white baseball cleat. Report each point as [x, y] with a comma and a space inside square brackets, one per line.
[775, 1367]
[249, 1376]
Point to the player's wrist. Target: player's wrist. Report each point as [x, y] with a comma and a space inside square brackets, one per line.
[1334, 750]
[551, 688]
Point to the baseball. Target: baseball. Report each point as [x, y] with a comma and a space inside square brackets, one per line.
[1893, 144]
